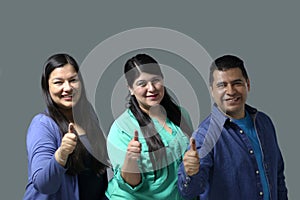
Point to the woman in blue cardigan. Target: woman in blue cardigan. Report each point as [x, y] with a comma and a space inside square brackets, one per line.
[67, 157]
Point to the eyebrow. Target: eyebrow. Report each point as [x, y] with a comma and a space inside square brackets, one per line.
[58, 78]
[154, 77]
[231, 82]
[237, 80]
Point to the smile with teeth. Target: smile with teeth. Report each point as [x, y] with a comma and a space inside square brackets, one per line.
[67, 97]
[232, 99]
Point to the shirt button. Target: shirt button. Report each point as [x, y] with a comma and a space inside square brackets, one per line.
[187, 180]
[261, 193]
[251, 151]
[241, 131]
[257, 172]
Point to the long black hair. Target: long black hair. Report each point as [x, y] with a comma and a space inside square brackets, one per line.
[84, 116]
[132, 70]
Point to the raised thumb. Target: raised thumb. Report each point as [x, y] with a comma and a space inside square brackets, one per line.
[136, 135]
[193, 144]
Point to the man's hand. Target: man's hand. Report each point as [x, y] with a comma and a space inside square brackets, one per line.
[191, 160]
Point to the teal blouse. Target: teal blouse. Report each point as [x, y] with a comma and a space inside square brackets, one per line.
[165, 185]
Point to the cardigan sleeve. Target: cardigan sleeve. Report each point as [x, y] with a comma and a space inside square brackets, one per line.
[43, 138]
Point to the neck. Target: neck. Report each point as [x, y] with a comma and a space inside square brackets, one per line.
[68, 114]
[158, 112]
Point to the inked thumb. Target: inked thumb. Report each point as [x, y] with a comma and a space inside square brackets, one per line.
[136, 136]
[193, 144]
[71, 128]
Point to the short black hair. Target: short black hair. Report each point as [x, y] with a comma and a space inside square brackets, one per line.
[226, 62]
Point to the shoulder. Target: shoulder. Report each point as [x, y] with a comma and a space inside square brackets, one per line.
[41, 119]
[261, 114]
[41, 124]
[203, 127]
[206, 122]
[264, 120]
[184, 112]
[258, 113]
[124, 125]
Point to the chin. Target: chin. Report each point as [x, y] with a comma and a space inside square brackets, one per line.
[67, 107]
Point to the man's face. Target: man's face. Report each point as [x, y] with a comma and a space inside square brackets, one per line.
[229, 91]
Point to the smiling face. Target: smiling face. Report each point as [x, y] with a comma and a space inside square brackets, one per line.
[64, 87]
[148, 90]
[229, 91]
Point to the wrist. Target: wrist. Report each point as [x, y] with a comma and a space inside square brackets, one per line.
[60, 158]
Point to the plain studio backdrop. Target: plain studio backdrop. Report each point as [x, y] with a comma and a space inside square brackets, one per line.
[264, 33]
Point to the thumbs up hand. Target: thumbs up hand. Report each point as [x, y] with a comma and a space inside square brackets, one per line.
[67, 146]
[191, 160]
[134, 147]
[130, 170]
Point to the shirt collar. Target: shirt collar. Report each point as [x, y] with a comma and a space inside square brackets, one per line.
[220, 118]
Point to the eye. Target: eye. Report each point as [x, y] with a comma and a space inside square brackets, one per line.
[238, 83]
[221, 85]
[141, 83]
[57, 82]
[156, 80]
[74, 80]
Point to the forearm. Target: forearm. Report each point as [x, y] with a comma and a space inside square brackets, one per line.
[47, 175]
[60, 158]
[282, 189]
[133, 179]
[130, 172]
[189, 186]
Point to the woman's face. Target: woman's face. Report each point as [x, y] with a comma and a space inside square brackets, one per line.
[64, 86]
[148, 90]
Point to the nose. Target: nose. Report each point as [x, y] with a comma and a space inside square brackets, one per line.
[150, 86]
[230, 89]
[67, 87]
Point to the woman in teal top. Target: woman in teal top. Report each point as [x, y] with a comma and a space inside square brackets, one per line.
[147, 142]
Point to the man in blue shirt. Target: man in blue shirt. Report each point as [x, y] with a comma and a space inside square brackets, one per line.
[234, 154]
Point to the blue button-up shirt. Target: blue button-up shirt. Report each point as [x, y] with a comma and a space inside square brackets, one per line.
[228, 167]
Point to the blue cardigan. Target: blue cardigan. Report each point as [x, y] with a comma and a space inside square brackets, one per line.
[46, 177]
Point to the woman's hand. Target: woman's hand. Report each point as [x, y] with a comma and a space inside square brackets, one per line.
[130, 170]
[67, 146]
[134, 148]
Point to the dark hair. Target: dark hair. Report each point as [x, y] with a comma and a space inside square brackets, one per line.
[226, 62]
[132, 70]
[87, 120]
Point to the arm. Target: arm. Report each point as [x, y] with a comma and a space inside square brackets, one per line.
[193, 173]
[125, 165]
[282, 190]
[130, 170]
[42, 142]
[281, 185]
[188, 171]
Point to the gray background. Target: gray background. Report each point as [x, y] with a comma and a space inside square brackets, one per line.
[265, 34]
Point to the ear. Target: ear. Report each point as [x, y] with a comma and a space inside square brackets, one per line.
[130, 90]
[211, 91]
[248, 85]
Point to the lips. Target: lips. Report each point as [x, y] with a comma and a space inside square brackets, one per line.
[152, 96]
[67, 97]
[232, 100]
